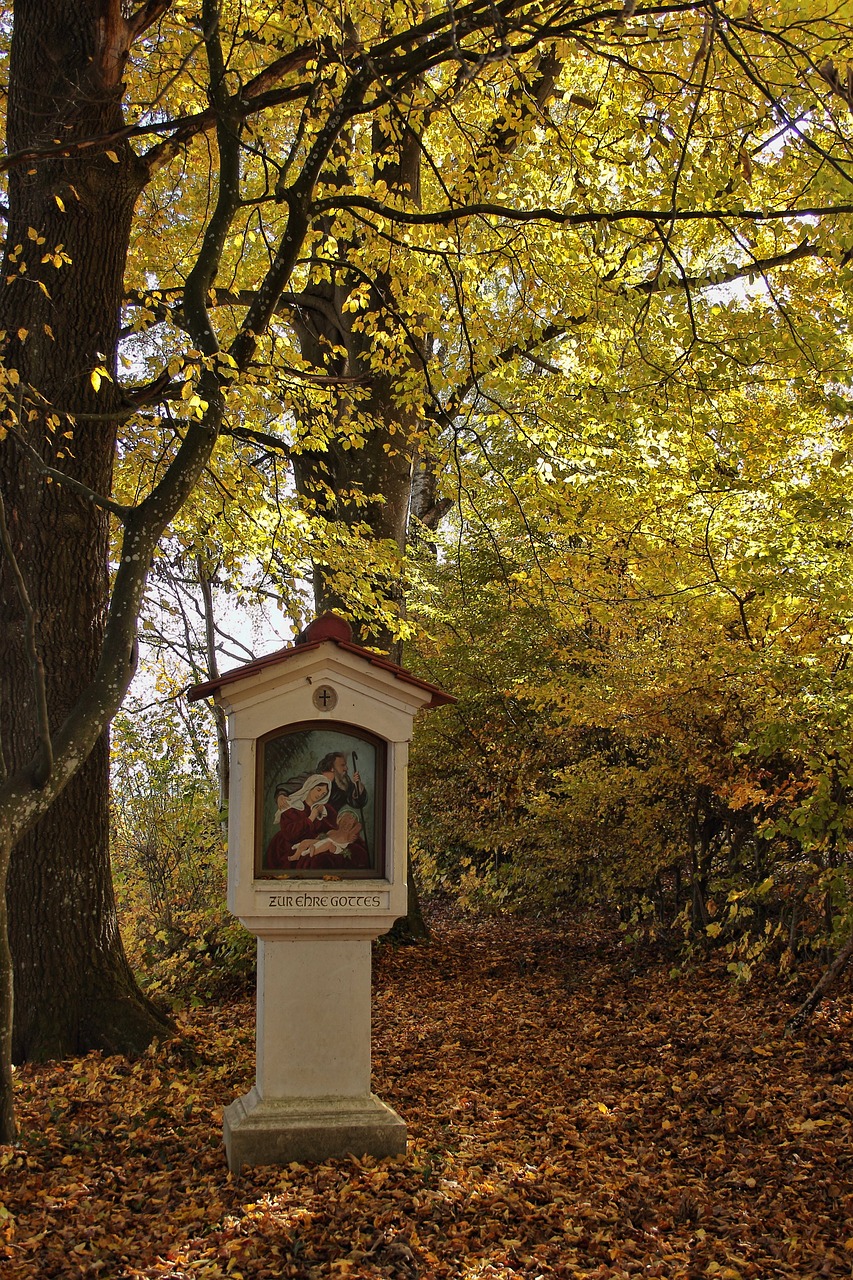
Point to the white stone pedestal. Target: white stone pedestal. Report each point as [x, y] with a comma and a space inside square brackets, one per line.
[311, 1098]
[286, 712]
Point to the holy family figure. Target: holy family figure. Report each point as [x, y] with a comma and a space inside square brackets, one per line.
[319, 821]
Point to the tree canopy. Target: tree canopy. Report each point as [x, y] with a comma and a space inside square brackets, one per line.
[286, 279]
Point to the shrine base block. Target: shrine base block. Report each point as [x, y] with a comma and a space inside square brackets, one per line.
[262, 1131]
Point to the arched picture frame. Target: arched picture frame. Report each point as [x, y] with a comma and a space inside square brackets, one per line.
[320, 803]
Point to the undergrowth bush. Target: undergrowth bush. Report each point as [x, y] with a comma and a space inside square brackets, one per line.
[170, 865]
[705, 797]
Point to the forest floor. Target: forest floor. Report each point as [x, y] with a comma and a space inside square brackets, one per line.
[573, 1109]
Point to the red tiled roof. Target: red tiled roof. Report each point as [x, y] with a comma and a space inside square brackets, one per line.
[329, 626]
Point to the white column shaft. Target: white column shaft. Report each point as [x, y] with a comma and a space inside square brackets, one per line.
[313, 1018]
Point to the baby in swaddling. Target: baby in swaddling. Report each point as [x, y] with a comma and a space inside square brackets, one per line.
[334, 841]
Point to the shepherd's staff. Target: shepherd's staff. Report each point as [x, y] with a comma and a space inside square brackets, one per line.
[363, 829]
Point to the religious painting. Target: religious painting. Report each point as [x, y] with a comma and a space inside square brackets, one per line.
[320, 803]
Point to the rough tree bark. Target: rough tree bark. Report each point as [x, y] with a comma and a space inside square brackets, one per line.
[66, 246]
[8, 1130]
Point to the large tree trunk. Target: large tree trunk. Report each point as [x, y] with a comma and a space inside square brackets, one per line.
[380, 473]
[371, 485]
[73, 987]
[8, 1128]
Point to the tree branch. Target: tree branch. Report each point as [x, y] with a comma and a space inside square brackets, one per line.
[182, 129]
[267, 439]
[446, 217]
[756, 266]
[799, 1018]
[206, 265]
[146, 15]
[166, 306]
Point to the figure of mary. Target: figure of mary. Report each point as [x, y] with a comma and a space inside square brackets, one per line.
[311, 835]
[302, 816]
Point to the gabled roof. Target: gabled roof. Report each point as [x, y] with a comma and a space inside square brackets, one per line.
[329, 626]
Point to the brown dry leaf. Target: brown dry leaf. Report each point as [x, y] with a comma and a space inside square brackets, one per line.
[583, 1115]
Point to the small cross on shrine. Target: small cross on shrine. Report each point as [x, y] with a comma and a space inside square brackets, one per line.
[325, 698]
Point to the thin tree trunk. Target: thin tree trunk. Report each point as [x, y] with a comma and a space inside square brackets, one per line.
[412, 927]
[8, 1130]
[830, 977]
[223, 762]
